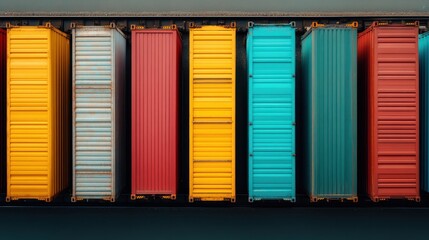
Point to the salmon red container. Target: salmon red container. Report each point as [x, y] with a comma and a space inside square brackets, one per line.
[156, 55]
[424, 106]
[212, 113]
[329, 73]
[98, 55]
[38, 112]
[3, 41]
[389, 71]
[271, 74]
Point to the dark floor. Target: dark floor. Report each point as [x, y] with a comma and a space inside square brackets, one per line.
[212, 223]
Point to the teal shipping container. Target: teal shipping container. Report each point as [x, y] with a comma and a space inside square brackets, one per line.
[329, 73]
[424, 109]
[271, 74]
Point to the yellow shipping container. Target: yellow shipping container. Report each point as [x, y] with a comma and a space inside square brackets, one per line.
[38, 116]
[212, 113]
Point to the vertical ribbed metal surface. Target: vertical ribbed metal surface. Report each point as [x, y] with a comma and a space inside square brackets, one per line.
[329, 75]
[212, 113]
[38, 97]
[155, 79]
[424, 107]
[98, 112]
[390, 54]
[3, 41]
[271, 72]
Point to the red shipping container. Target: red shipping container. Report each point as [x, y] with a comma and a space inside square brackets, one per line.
[3, 40]
[155, 67]
[389, 71]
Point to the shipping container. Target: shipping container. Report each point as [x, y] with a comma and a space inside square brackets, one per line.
[271, 77]
[329, 62]
[212, 113]
[38, 112]
[424, 108]
[155, 64]
[3, 41]
[388, 68]
[98, 58]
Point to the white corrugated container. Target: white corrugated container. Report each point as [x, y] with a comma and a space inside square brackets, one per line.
[98, 112]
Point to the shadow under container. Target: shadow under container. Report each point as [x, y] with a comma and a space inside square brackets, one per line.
[329, 63]
[38, 112]
[156, 55]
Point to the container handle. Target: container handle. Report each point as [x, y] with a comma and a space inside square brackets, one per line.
[212, 121]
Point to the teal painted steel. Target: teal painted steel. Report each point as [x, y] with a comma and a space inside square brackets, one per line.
[271, 69]
[424, 108]
[329, 62]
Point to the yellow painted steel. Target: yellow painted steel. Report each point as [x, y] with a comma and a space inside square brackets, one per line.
[212, 56]
[37, 112]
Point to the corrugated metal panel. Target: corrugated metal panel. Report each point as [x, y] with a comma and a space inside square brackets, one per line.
[424, 107]
[98, 112]
[329, 75]
[155, 79]
[212, 113]
[38, 112]
[271, 68]
[3, 41]
[389, 67]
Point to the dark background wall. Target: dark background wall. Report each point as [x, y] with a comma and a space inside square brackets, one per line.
[213, 5]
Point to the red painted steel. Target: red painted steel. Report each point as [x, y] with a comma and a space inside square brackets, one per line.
[388, 64]
[3, 40]
[155, 78]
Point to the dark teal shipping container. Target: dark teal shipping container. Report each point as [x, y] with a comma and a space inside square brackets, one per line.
[424, 108]
[329, 62]
[271, 75]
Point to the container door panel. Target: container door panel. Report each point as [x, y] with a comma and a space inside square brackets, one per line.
[155, 68]
[93, 109]
[396, 112]
[330, 118]
[271, 112]
[212, 113]
[37, 112]
[29, 113]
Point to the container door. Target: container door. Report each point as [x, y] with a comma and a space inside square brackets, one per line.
[330, 126]
[92, 113]
[271, 66]
[154, 147]
[396, 119]
[28, 113]
[212, 113]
